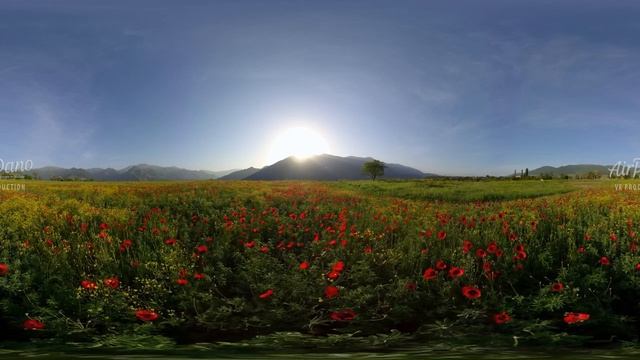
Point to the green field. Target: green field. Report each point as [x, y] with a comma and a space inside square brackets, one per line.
[345, 266]
[464, 191]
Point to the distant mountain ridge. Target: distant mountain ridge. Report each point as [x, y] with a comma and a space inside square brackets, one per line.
[131, 173]
[572, 170]
[319, 167]
[240, 174]
[330, 167]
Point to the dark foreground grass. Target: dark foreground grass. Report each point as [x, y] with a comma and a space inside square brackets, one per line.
[295, 346]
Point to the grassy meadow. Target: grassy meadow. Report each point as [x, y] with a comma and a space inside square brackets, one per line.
[119, 264]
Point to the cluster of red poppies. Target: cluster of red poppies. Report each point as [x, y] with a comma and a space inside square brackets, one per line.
[468, 252]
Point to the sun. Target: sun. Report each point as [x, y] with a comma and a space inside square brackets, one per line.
[300, 142]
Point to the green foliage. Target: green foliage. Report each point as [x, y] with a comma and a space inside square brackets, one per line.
[373, 168]
[237, 247]
[459, 191]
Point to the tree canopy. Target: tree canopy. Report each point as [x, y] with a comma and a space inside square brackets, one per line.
[374, 168]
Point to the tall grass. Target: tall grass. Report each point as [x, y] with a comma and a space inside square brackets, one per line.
[228, 260]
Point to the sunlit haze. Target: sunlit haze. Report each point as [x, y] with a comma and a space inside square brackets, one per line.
[300, 142]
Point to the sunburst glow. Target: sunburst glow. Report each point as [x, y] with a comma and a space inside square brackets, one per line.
[300, 142]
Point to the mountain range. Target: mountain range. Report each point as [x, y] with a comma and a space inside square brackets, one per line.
[240, 174]
[131, 173]
[330, 167]
[571, 170]
[319, 167]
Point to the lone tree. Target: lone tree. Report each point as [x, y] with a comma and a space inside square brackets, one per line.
[374, 168]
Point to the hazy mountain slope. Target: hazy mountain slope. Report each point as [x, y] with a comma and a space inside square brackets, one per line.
[579, 169]
[240, 174]
[221, 173]
[320, 167]
[49, 172]
[130, 173]
[152, 172]
[329, 167]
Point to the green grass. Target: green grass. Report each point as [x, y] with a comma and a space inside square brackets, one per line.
[55, 236]
[461, 191]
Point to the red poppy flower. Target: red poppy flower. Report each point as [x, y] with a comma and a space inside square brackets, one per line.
[501, 318]
[250, 244]
[426, 233]
[581, 250]
[304, 265]
[557, 287]
[411, 286]
[521, 255]
[487, 267]
[264, 249]
[333, 275]
[170, 241]
[125, 245]
[112, 282]
[201, 249]
[613, 237]
[89, 285]
[638, 267]
[146, 315]
[492, 248]
[198, 276]
[104, 226]
[338, 266]
[466, 246]
[441, 265]
[368, 250]
[267, 294]
[4, 269]
[604, 261]
[442, 235]
[331, 291]
[481, 253]
[471, 292]
[343, 315]
[182, 282]
[455, 272]
[572, 318]
[429, 274]
[33, 324]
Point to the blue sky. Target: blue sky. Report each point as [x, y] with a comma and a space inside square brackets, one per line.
[456, 87]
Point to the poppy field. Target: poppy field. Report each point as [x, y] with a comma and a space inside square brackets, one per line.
[212, 260]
